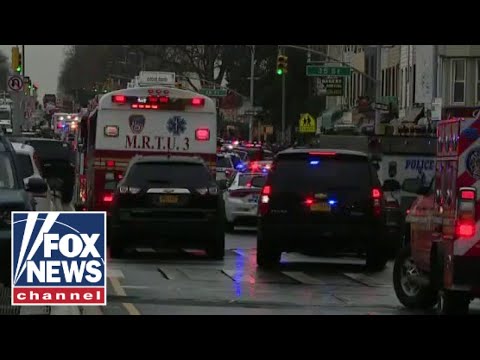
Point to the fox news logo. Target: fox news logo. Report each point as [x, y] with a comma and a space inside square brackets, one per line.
[59, 258]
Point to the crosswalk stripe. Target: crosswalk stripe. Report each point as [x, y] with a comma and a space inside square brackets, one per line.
[115, 273]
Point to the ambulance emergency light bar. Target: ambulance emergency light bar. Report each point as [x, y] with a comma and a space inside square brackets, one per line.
[155, 102]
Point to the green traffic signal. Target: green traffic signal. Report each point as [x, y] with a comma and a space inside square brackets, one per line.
[19, 68]
[279, 72]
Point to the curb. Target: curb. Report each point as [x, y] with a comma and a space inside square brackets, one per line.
[65, 310]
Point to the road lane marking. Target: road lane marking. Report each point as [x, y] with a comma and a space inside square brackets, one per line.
[115, 273]
[117, 287]
[145, 250]
[303, 278]
[366, 280]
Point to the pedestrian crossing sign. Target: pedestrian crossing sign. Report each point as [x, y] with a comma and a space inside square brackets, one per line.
[307, 124]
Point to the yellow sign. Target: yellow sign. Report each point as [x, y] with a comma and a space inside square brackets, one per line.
[307, 124]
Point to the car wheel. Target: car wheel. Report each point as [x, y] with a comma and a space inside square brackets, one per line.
[377, 256]
[454, 302]
[267, 255]
[410, 292]
[216, 245]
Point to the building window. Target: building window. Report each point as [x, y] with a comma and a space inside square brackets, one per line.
[477, 88]
[458, 81]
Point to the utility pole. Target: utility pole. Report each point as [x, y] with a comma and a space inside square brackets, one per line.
[378, 89]
[252, 88]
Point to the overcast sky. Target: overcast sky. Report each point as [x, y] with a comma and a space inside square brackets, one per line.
[42, 65]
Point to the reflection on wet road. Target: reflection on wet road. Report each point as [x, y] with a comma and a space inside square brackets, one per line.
[153, 282]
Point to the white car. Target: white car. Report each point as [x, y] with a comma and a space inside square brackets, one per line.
[241, 200]
[226, 165]
[30, 168]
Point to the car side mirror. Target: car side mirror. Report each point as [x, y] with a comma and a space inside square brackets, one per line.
[258, 181]
[36, 185]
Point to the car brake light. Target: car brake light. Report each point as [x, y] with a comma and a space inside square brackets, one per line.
[198, 101]
[309, 201]
[107, 198]
[376, 193]
[119, 99]
[465, 228]
[202, 134]
[267, 190]
[377, 205]
[263, 204]
[467, 195]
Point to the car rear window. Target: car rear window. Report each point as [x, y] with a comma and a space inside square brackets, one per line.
[223, 162]
[25, 163]
[322, 173]
[169, 174]
[244, 179]
[52, 149]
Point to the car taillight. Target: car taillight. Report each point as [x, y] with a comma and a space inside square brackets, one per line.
[119, 99]
[377, 201]
[465, 226]
[107, 198]
[263, 204]
[198, 101]
[309, 201]
[202, 134]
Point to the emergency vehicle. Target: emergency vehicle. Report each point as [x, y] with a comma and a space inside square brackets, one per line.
[157, 120]
[63, 122]
[440, 262]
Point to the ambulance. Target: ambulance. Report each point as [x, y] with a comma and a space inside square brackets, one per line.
[440, 262]
[156, 120]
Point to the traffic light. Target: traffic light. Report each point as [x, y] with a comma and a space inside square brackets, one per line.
[282, 65]
[16, 59]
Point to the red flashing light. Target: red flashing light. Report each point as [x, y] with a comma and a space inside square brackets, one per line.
[322, 153]
[198, 101]
[163, 100]
[119, 99]
[465, 229]
[155, 107]
[202, 134]
[267, 190]
[153, 99]
[376, 193]
[110, 163]
[309, 201]
[108, 198]
[141, 106]
[134, 106]
[148, 106]
[467, 195]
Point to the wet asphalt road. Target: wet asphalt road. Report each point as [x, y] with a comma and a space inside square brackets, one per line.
[150, 282]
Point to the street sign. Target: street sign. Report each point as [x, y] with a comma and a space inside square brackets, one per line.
[307, 124]
[334, 85]
[316, 70]
[213, 92]
[15, 83]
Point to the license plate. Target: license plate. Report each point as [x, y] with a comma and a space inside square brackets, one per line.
[320, 207]
[168, 199]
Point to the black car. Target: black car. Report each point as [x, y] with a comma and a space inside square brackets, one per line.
[13, 197]
[58, 162]
[328, 201]
[168, 202]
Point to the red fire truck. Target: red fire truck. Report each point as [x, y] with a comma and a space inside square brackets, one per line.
[441, 260]
[147, 121]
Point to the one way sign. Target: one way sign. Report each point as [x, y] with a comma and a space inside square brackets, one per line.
[307, 124]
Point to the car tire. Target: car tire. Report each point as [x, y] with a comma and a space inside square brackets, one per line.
[229, 227]
[268, 256]
[418, 298]
[377, 256]
[5, 268]
[67, 194]
[454, 302]
[216, 247]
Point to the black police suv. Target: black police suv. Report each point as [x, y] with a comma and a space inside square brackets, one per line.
[58, 162]
[14, 196]
[167, 202]
[327, 201]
